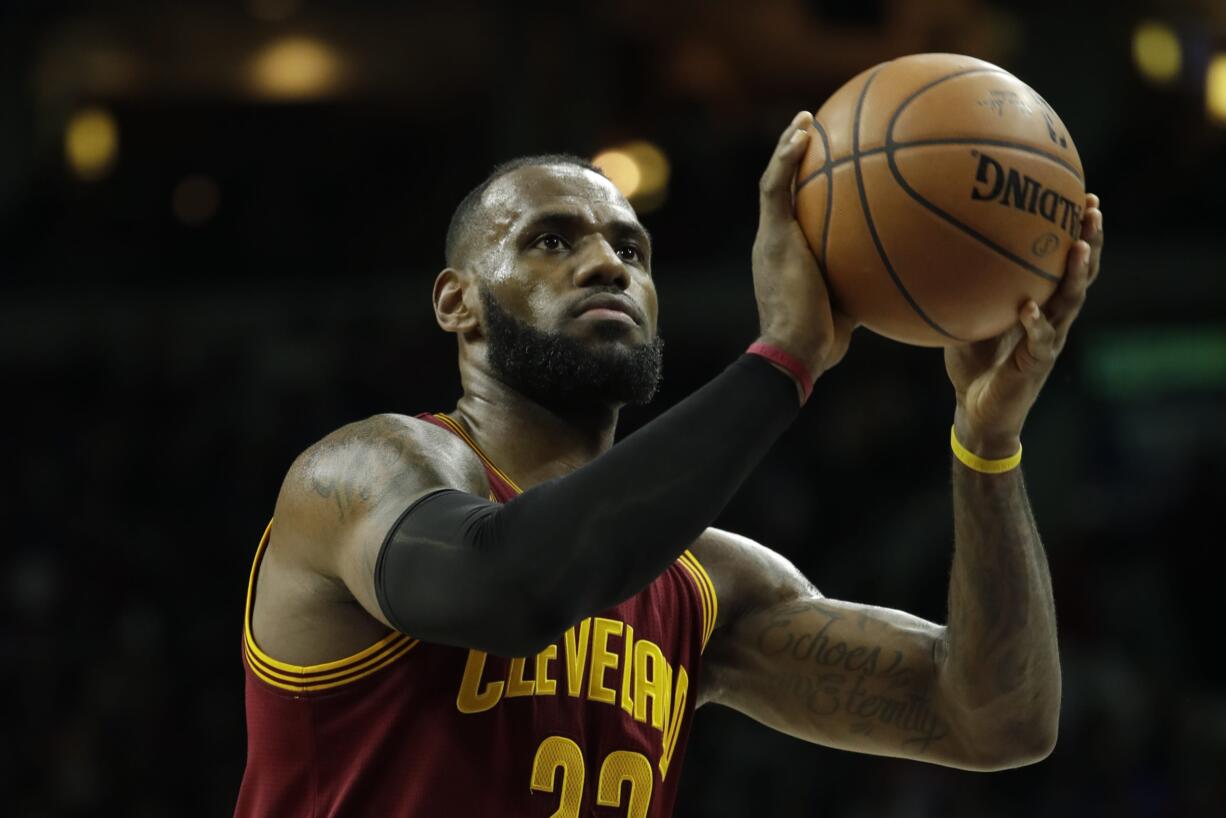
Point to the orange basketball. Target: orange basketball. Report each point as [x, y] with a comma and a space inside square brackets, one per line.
[939, 193]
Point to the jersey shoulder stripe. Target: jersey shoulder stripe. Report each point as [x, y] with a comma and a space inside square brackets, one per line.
[458, 430]
[309, 678]
[706, 592]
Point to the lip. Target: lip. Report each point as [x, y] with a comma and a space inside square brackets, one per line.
[614, 303]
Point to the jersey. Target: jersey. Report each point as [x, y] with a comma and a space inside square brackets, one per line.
[593, 725]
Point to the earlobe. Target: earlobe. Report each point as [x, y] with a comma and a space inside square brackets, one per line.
[452, 307]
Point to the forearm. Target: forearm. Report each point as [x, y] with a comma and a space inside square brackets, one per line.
[580, 543]
[1002, 665]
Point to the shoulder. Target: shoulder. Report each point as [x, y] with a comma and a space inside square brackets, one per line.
[358, 479]
[747, 575]
[361, 455]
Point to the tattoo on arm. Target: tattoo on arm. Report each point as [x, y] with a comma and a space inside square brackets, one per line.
[864, 685]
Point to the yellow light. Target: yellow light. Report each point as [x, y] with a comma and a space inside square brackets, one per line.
[91, 143]
[1156, 51]
[295, 68]
[621, 169]
[1215, 88]
[195, 199]
[653, 167]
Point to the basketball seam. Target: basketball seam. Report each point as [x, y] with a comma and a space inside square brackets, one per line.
[889, 139]
[940, 212]
[899, 147]
[829, 192]
[970, 231]
[868, 216]
[892, 145]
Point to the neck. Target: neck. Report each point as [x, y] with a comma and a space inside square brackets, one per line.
[532, 443]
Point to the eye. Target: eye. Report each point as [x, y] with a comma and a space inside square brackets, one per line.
[550, 241]
[630, 252]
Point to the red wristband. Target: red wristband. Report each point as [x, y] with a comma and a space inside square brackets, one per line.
[794, 367]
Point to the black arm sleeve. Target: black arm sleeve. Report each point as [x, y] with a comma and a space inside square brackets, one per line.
[508, 578]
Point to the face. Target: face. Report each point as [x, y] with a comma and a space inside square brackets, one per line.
[568, 302]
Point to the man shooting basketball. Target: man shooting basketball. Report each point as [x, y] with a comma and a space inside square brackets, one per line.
[424, 639]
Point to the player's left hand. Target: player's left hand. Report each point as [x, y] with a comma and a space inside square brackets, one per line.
[998, 380]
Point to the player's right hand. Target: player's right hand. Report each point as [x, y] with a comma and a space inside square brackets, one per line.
[794, 310]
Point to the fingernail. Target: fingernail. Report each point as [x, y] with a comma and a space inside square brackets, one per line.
[1034, 310]
[796, 136]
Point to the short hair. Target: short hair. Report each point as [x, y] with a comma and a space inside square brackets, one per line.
[465, 214]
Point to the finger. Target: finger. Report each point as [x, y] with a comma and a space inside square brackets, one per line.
[1092, 232]
[800, 121]
[1064, 305]
[1038, 349]
[776, 182]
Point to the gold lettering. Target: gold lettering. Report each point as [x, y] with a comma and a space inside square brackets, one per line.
[576, 656]
[627, 669]
[471, 699]
[602, 660]
[650, 684]
[545, 686]
[517, 685]
[674, 721]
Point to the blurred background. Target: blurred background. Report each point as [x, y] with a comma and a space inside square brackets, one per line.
[219, 226]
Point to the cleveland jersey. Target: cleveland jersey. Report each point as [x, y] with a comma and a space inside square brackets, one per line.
[593, 725]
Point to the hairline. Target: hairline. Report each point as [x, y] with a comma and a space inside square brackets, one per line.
[460, 227]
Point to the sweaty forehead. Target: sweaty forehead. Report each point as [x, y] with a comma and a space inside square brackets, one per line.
[522, 193]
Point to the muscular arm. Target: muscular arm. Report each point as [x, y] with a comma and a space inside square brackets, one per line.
[1002, 663]
[980, 693]
[404, 526]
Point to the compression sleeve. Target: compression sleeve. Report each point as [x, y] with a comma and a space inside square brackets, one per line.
[583, 542]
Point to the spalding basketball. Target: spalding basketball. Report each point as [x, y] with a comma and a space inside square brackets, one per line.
[939, 194]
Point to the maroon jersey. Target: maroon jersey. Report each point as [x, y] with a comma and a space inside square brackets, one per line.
[593, 725]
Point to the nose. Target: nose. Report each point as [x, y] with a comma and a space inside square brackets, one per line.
[599, 264]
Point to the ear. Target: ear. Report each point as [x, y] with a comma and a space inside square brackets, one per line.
[455, 297]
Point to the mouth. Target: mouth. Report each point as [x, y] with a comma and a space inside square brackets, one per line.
[608, 307]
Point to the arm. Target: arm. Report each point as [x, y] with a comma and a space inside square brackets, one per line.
[421, 551]
[841, 674]
[982, 692]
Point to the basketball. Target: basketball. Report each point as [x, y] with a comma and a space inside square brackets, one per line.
[939, 194]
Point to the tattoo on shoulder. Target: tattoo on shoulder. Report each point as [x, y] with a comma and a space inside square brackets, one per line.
[869, 686]
[350, 469]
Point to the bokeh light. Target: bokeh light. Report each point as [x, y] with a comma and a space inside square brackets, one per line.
[91, 143]
[621, 169]
[1156, 52]
[1215, 88]
[640, 170]
[296, 68]
[655, 170]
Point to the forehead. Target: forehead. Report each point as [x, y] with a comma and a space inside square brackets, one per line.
[520, 195]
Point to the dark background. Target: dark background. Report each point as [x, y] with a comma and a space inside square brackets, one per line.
[161, 369]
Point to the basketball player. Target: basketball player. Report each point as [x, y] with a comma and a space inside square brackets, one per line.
[496, 611]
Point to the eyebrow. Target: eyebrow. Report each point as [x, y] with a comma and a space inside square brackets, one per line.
[570, 222]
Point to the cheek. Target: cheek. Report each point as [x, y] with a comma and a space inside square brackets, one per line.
[652, 306]
[525, 301]
[544, 308]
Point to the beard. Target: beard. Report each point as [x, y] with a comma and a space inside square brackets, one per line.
[565, 373]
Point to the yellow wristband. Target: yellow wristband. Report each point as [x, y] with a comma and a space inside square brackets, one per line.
[979, 464]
